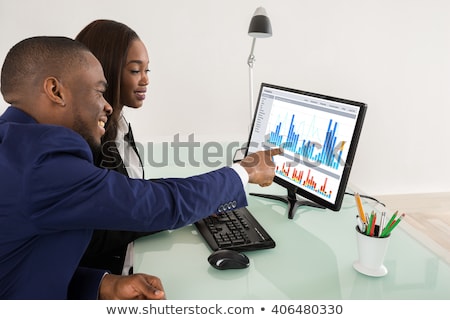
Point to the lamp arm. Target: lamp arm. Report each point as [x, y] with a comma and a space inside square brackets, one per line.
[250, 62]
[250, 78]
[251, 57]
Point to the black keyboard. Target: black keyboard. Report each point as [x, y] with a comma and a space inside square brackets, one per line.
[236, 230]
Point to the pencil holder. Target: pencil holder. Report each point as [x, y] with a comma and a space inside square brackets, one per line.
[371, 252]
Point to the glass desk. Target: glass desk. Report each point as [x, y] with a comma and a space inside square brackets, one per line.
[312, 259]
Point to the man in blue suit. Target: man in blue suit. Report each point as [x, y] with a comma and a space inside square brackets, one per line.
[52, 196]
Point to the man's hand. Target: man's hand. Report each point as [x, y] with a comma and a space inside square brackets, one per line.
[137, 286]
[260, 167]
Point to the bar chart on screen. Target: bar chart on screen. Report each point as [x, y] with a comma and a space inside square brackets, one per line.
[312, 180]
[315, 145]
[314, 140]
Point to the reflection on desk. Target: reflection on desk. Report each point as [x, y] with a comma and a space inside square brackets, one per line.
[312, 260]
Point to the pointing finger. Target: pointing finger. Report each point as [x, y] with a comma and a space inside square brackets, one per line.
[276, 151]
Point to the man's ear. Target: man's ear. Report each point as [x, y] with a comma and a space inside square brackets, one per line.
[54, 90]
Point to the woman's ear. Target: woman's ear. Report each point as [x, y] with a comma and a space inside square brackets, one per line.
[54, 90]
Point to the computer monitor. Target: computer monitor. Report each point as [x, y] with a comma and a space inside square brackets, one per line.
[319, 135]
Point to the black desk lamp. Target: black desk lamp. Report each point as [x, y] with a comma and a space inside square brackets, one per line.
[260, 27]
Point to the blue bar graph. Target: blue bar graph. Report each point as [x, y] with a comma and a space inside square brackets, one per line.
[329, 154]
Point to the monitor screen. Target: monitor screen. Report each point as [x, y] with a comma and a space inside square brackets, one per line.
[319, 135]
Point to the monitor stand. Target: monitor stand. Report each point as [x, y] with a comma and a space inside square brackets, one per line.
[291, 200]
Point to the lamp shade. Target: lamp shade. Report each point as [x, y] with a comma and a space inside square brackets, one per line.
[260, 26]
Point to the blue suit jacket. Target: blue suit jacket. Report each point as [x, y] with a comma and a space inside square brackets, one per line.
[52, 197]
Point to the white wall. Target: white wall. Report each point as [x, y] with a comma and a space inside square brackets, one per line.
[392, 54]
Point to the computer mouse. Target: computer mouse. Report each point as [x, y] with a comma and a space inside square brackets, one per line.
[224, 259]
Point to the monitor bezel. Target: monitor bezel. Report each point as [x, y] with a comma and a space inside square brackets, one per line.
[336, 206]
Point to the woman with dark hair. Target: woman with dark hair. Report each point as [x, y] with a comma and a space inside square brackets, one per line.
[124, 59]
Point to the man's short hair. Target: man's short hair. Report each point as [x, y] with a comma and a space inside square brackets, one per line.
[34, 58]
